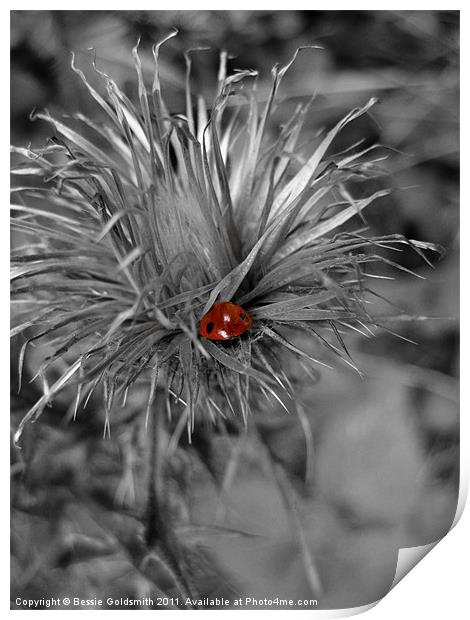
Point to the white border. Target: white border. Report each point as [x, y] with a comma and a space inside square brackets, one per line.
[438, 587]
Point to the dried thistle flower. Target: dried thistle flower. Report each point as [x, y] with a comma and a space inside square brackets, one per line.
[151, 218]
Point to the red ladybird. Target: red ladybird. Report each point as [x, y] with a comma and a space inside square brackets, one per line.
[225, 320]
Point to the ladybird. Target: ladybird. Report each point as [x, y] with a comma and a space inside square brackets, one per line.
[225, 320]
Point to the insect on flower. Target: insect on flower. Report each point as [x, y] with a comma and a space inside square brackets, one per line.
[225, 320]
[132, 250]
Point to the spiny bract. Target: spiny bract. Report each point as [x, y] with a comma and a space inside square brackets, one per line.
[146, 219]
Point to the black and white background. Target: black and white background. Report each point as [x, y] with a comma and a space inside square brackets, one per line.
[386, 449]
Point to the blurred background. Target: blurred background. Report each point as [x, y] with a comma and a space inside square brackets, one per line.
[385, 448]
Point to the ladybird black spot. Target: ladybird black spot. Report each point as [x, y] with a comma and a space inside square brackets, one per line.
[243, 316]
[209, 327]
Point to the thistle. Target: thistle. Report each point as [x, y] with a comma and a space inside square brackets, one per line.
[150, 218]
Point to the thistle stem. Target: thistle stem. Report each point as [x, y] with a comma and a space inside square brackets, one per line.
[157, 515]
[151, 511]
